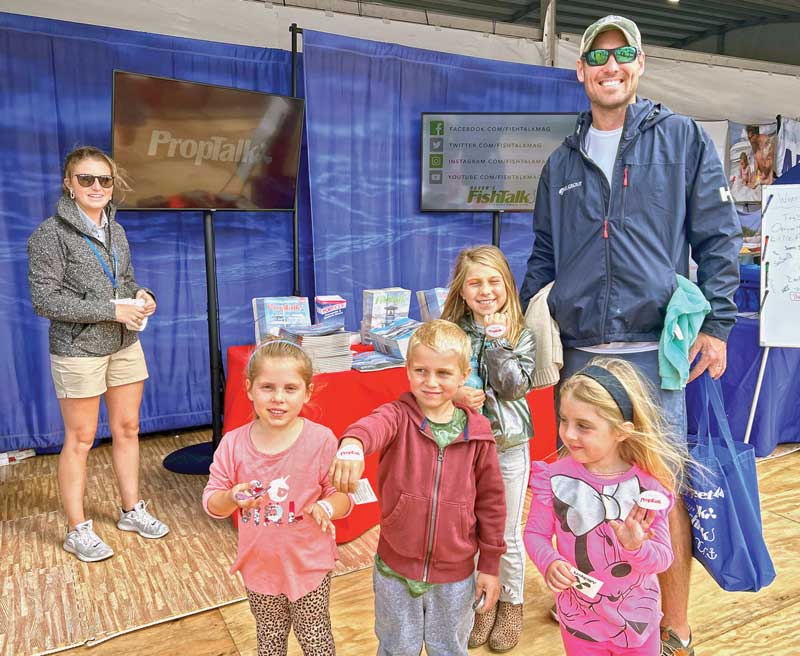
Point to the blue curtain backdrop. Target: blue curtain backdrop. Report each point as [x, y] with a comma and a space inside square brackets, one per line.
[55, 94]
[364, 101]
[363, 121]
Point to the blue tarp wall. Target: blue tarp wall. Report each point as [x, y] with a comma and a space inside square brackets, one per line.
[358, 193]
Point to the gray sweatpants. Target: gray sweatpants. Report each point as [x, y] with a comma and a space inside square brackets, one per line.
[442, 617]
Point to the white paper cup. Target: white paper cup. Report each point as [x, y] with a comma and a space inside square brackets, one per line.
[138, 302]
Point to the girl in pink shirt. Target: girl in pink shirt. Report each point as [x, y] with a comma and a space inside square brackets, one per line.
[607, 504]
[274, 472]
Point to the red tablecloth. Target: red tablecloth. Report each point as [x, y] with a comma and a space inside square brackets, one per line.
[340, 399]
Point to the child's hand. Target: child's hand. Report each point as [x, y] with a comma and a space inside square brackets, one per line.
[345, 472]
[321, 517]
[491, 586]
[635, 529]
[470, 397]
[498, 319]
[244, 504]
[558, 576]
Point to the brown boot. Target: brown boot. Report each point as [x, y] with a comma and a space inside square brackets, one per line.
[507, 627]
[482, 627]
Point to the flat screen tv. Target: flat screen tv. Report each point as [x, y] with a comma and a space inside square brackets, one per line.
[186, 145]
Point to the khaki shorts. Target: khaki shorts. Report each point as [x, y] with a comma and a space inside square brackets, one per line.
[80, 378]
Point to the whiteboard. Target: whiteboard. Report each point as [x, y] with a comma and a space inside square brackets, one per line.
[780, 266]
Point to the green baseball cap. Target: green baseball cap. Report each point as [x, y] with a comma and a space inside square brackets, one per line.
[607, 23]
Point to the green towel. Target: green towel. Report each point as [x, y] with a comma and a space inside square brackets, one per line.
[686, 312]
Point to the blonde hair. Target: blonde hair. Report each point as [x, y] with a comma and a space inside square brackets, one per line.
[273, 348]
[442, 336]
[648, 443]
[81, 153]
[455, 307]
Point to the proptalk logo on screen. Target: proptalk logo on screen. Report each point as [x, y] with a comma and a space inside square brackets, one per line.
[214, 149]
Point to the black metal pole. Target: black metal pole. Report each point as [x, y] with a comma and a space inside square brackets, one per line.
[214, 351]
[496, 229]
[295, 218]
[196, 459]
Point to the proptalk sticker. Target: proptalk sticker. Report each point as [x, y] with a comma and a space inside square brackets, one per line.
[585, 584]
[495, 330]
[653, 500]
[350, 453]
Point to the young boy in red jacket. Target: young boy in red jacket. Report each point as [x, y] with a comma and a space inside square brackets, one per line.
[442, 501]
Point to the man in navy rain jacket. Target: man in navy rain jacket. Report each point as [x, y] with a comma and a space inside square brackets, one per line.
[619, 205]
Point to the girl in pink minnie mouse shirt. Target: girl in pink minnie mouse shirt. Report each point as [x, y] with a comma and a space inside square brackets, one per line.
[607, 504]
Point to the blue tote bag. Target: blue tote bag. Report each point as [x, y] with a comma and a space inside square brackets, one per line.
[723, 502]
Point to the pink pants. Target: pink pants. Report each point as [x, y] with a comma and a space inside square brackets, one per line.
[579, 647]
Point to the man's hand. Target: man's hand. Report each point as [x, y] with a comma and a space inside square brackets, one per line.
[345, 474]
[713, 356]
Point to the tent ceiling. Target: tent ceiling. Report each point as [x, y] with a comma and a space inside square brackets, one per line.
[663, 23]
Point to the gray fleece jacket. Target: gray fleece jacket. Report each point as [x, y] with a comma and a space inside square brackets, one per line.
[70, 287]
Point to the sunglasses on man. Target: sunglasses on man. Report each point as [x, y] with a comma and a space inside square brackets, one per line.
[599, 56]
[106, 181]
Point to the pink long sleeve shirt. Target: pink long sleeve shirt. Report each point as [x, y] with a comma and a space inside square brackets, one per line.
[576, 506]
[281, 551]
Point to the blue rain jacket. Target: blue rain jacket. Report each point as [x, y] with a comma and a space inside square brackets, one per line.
[614, 252]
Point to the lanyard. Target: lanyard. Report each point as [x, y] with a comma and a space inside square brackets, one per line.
[111, 276]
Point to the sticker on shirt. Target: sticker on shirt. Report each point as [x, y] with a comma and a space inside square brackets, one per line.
[364, 493]
[653, 500]
[585, 584]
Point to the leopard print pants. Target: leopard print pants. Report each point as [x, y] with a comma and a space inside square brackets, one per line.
[309, 615]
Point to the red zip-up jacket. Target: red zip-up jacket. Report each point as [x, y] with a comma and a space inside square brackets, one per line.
[438, 506]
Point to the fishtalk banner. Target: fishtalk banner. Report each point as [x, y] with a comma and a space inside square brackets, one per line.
[486, 162]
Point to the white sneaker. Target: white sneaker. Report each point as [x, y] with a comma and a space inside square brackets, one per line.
[142, 522]
[86, 545]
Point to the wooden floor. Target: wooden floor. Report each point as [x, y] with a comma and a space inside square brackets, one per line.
[724, 624]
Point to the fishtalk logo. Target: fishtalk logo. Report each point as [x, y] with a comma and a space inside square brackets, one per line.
[215, 149]
[483, 195]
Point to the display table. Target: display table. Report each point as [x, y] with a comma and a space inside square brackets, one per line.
[777, 417]
[341, 398]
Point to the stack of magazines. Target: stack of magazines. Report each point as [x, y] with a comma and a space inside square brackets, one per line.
[327, 344]
[431, 302]
[392, 340]
[374, 361]
[382, 307]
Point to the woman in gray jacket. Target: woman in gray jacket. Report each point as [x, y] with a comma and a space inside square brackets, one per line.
[78, 264]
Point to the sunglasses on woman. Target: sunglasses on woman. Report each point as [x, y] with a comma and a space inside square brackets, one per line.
[106, 181]
[623, 55]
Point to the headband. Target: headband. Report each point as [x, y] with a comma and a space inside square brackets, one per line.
[272, 341]
[611, 384]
